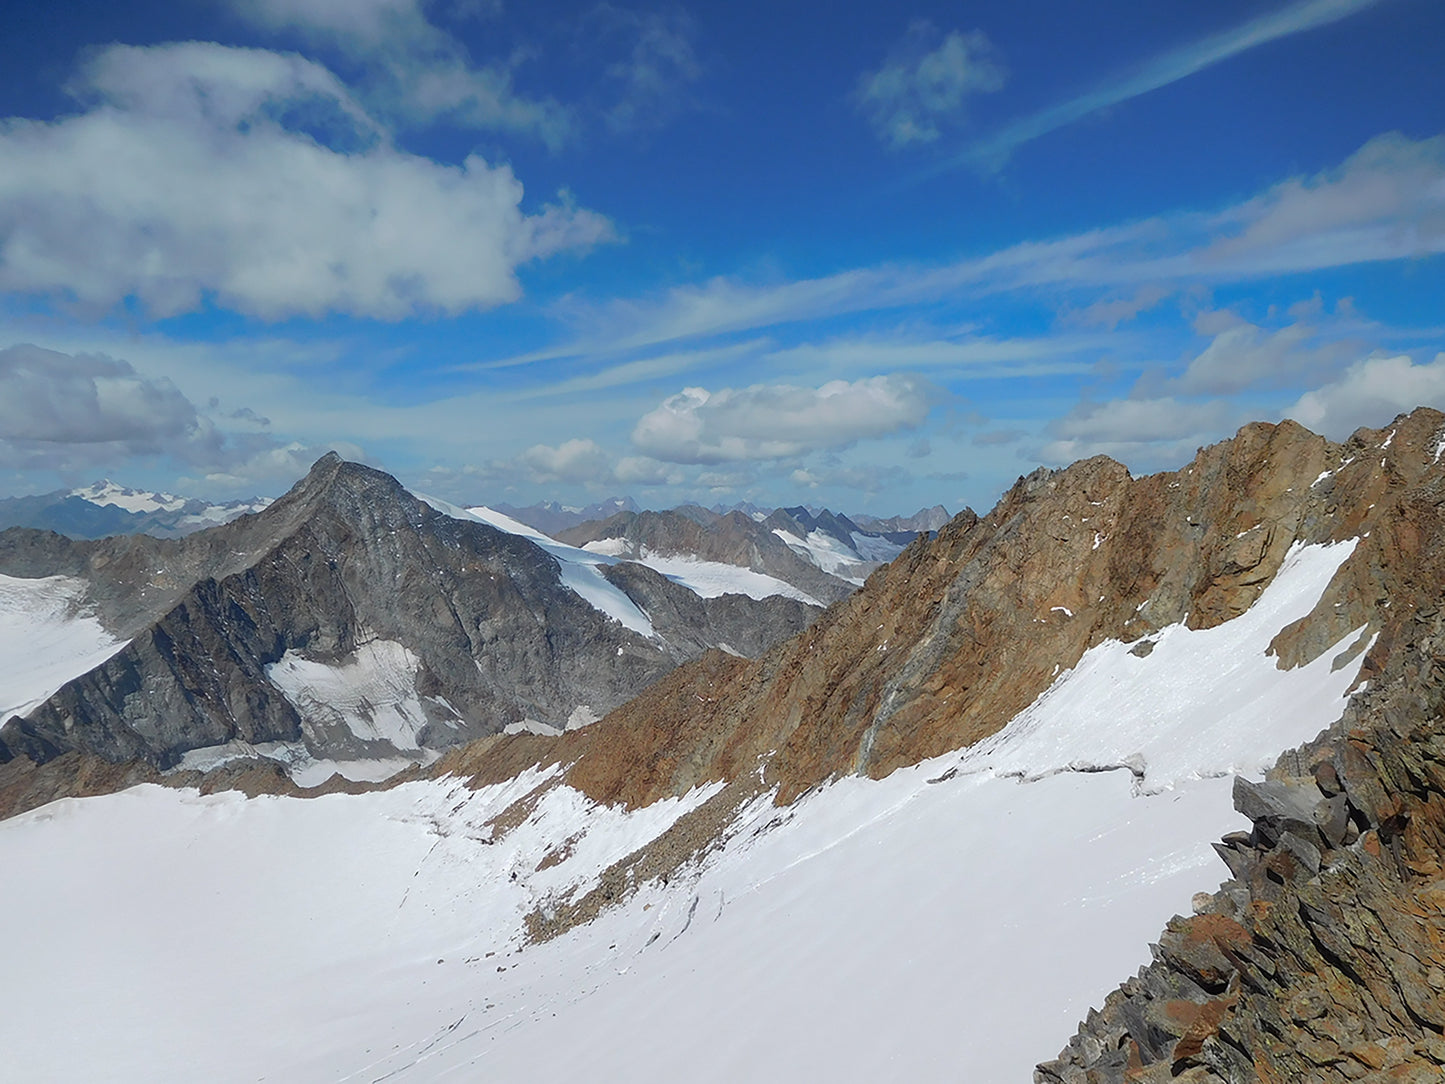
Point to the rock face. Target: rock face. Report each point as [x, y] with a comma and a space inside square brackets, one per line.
[1323, 956]
[350, 621]
[945, 645]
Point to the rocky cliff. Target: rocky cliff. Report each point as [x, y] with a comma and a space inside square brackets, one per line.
[1320, 958]
[944, 646]
[350, 621]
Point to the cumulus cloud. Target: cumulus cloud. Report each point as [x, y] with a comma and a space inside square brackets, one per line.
[72, 412]
[644, 471]
[252, 178]
[1242, 354]
[925, 82]
[773, 421]
[1371, 392]
[576, 460]
[1142, 432]
[413, 70]
[61, 408]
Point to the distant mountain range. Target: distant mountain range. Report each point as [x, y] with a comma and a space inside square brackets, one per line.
[106, 508]
[550, 518]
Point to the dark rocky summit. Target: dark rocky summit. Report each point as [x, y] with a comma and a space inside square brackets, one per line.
[481, 629]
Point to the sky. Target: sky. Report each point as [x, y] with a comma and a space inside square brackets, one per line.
[873, 257]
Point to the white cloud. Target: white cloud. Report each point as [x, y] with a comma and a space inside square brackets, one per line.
[70, 412]
[969, 355]
[867, 481]
[1162, 70]
[358, 26]
[87, 406]
[645, 471]
[1385, 202]
[414, 70]
[1371, 392]
[1111, 312]
[1243, 355]
[922, 86]
[576, 460]
[1139, 432]
[772, 421]
[270, 468]
[253, 178]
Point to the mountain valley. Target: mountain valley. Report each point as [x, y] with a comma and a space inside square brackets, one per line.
[1012, 746]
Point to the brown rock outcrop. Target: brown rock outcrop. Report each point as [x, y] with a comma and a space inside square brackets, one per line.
[943, 646]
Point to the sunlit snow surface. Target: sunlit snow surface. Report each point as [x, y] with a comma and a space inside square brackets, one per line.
[579, 568]
[709, 579]
[935, 925]
[46, 639]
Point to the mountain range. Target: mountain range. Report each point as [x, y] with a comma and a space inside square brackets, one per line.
[105, 508]
[914, 835]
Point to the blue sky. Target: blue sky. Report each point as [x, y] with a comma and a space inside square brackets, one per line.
[860, 255]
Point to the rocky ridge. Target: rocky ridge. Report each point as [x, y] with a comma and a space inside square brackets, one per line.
[1322, 957]
[730, 539]
[454, 630]
[945, 645]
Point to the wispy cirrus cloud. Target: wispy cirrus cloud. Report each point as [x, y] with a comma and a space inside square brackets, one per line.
[412, 70]
[1160, 71]
[1385, 202]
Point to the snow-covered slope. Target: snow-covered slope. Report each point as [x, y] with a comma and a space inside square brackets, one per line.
[46, 638]
[949, 922]
[579, 567]
[708, 579]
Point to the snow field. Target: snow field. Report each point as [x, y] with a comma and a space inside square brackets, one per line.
[46, 639]
[951, 922]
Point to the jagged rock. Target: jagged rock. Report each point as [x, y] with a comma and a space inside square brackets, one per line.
[349, 571]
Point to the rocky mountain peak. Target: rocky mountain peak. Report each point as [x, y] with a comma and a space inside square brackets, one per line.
[350, 621]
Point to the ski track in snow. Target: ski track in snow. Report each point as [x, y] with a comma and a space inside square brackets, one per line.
[953, 921]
